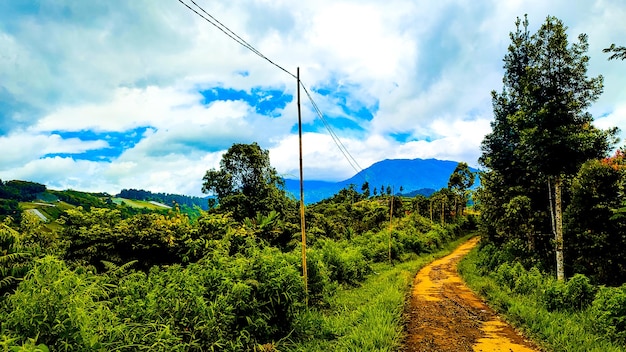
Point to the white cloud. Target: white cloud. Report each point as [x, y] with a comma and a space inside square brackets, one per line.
[20, 147]
[115, 66]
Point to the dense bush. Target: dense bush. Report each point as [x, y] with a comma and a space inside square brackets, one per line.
[609, 311]
[16, 258]
[320, 285]
[161, 281]
[62, 308]
[346, 264]
[575, 294]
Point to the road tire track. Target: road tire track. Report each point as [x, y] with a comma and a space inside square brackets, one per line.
[443, 314]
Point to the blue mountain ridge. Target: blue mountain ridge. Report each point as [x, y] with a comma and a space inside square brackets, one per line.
[422, 176]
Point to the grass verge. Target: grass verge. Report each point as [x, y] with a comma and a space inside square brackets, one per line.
[570, 331]
[367, 317]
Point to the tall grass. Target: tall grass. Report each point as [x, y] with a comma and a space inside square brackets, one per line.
[568, 330]
[367, 317]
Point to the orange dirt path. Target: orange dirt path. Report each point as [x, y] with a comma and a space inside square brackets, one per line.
[445, 315]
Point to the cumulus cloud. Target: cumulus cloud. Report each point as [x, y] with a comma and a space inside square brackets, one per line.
[23, 146]
[109, 95]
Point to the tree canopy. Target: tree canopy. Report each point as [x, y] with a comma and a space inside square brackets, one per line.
[619, 52]
[542, 132]
[246, 183]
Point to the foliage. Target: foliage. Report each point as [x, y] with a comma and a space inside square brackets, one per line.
[609, 310]
[540, 137]
[100, 234]
[9, 207]
[165, 198]
[15, 258]
[619, 52]
[461, 180]
[246, 183]
[597, 236]
[228, 303]
[83, 199]
[562, 316]
[22, 191]
[61, 308]
[576, 294]
[346, 264]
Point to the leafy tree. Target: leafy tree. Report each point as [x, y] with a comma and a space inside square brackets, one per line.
[619, 52]
[599, 236]
[365, 188]
[246, 183]
[542, 129]
[20, 190]
[459, 183]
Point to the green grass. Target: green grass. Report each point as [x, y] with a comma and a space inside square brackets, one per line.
[368, 317]
[137, 203]
[555, 331]
[52, 212]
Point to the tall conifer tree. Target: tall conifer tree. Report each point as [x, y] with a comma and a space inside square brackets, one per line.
[542, 129]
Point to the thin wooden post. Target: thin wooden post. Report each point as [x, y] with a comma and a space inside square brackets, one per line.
[390, 226]
[304, 272]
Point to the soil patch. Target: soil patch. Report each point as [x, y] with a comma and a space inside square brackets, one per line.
[445, 315]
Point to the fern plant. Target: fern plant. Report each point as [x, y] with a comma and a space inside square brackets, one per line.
[14, 259]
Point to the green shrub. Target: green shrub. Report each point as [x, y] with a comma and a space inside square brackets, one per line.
[320, 285]
[346, 264]
[576, 294]
[11, 344]
[222, 302]
[529, 281]
[609, 312]
[505, 276]
[553, 296]
[64, 309]
[579, 292]
[516, 278]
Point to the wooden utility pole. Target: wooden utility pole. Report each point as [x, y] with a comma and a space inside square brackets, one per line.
[304, 273]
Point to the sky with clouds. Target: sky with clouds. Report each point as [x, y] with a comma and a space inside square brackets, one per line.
[109, 94]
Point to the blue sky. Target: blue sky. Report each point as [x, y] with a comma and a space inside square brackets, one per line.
[109, 94]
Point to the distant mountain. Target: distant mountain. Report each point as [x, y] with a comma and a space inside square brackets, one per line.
[416, 176]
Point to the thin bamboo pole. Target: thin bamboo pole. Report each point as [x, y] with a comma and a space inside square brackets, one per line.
[304, 271]
[390, 222]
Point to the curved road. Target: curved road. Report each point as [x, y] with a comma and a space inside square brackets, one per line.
[445, 315]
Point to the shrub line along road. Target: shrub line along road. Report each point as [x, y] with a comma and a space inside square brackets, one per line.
[445, 315]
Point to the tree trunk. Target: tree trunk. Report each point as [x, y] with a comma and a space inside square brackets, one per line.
[558, 215]
[431, 211]
[443, 204]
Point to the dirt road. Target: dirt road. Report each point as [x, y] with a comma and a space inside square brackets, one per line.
[444, 315]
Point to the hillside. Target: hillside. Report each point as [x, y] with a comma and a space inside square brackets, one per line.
[415, 176]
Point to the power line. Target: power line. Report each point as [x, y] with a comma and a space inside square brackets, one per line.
[224, 29]
[355, 165]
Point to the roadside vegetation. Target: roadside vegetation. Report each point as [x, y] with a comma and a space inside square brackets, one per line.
[107, 277]
[552, 200]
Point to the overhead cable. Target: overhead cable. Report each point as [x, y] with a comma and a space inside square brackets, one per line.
[224, 29]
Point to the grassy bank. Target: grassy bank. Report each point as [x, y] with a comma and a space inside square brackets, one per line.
[367, 317]
[524, 298]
